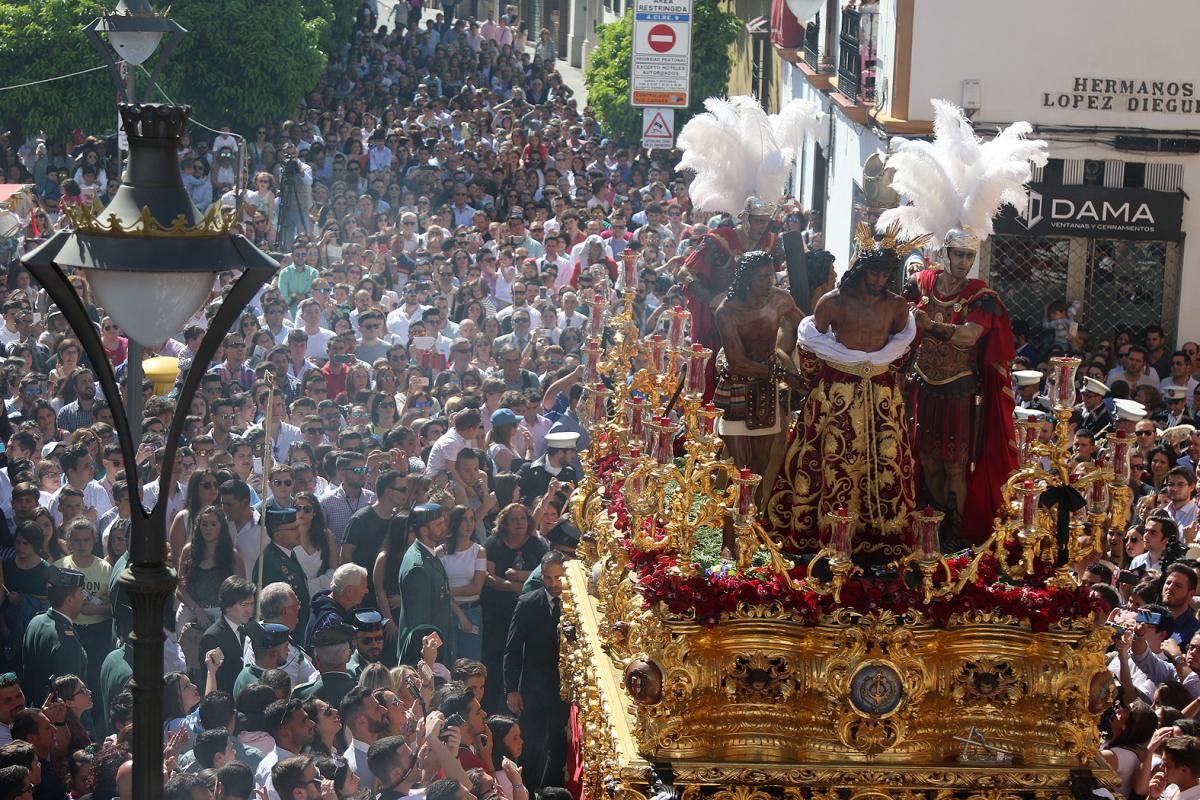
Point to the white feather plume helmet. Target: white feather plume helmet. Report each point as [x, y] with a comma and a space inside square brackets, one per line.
[738, 151]
[958, 180]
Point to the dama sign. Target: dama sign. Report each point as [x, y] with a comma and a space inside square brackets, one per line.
[1096, 211]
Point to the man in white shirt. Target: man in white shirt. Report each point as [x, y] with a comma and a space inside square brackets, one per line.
[318, 337]
[292, 731]
[78, 469]
[465, 429]
[1181, 506]
[408, 312]
[366, 720]
[239, 513]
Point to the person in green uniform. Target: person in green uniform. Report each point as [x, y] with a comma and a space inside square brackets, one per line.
[424, 587]
[280, 564]
[269, 644]
[115, 673]
[331, 652]
[51, 646]
[368, 641]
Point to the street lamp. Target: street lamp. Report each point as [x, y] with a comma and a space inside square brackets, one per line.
[134, 30]
[151, 258]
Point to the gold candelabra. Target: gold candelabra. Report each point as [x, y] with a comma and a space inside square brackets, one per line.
[1085, 499]
[656, 398]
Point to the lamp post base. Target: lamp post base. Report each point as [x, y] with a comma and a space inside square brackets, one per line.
[149, 586]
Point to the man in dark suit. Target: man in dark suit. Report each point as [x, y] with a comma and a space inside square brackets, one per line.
[331, 653]
[280, 564]
[531, 677]
[51, 645]
[424, 587]
[236, 597]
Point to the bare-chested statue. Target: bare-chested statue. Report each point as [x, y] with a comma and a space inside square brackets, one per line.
[750, 374]
[850, 447]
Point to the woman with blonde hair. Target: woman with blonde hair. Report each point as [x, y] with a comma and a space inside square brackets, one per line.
[261, 198]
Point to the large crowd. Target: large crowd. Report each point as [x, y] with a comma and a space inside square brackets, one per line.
[369, 516]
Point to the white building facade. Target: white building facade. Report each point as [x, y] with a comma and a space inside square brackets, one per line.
[1114, 90]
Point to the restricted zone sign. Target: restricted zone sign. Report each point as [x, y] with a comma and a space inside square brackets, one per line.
[661, 74]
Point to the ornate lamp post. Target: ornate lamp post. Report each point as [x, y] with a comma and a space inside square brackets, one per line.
[152, 260]
[135, 30]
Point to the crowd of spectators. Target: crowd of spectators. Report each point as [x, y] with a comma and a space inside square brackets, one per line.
[369, 513]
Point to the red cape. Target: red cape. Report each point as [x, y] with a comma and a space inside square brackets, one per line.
[996, 457]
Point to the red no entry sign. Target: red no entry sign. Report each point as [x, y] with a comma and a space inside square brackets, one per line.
[661, 38]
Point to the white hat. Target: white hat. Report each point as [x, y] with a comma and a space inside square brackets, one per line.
[1129, 410]
[1026, 414]
[1176, 392]
[1177, 434]
[563, 440]
[1095, 386]
[1027, 377]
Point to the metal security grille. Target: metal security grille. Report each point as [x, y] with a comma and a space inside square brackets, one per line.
[1125, 285]
[1028, 273]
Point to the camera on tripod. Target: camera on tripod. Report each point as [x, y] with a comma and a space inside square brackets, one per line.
[290, 165]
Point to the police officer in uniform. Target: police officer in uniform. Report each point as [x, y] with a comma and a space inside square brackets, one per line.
[269, 643]
[424, 587]
[1176, 412]
[279, 563]
[556, 463]
[115, 673]
[368, 641]
[331, 651]
[1097, 418]
[1029, 381]
[51, 645]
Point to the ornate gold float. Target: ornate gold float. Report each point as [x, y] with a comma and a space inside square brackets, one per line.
[699, 656]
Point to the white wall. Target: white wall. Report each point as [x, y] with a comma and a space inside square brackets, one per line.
[851, 146]
[1020, 50]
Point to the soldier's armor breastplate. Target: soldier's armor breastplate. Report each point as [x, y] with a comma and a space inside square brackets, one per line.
[938, 361]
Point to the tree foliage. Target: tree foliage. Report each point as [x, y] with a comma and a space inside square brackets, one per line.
[42, 39]
[245, 61]
[607, 76]
[242, 61]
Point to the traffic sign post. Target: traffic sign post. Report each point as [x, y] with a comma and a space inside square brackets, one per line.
[658, 128]
[661, 70]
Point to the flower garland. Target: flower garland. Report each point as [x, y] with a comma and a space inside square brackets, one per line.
[708, 594]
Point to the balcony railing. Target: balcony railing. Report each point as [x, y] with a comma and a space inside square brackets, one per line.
[856, 55]
[812, 43]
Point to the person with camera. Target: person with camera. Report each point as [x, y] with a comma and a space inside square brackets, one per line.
[295, 179]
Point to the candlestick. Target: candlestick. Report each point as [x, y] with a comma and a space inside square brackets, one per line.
[633, 417]
[658, 354]
[679, 316]
[1122, 443]
[745, 492]
[697, 373]
[628, 271]
[1064, 380]
[928, 523]
[1028, 506]
[1098, 496]
[591, 360]
[596, 315]
[841, 522]
[599, 403]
